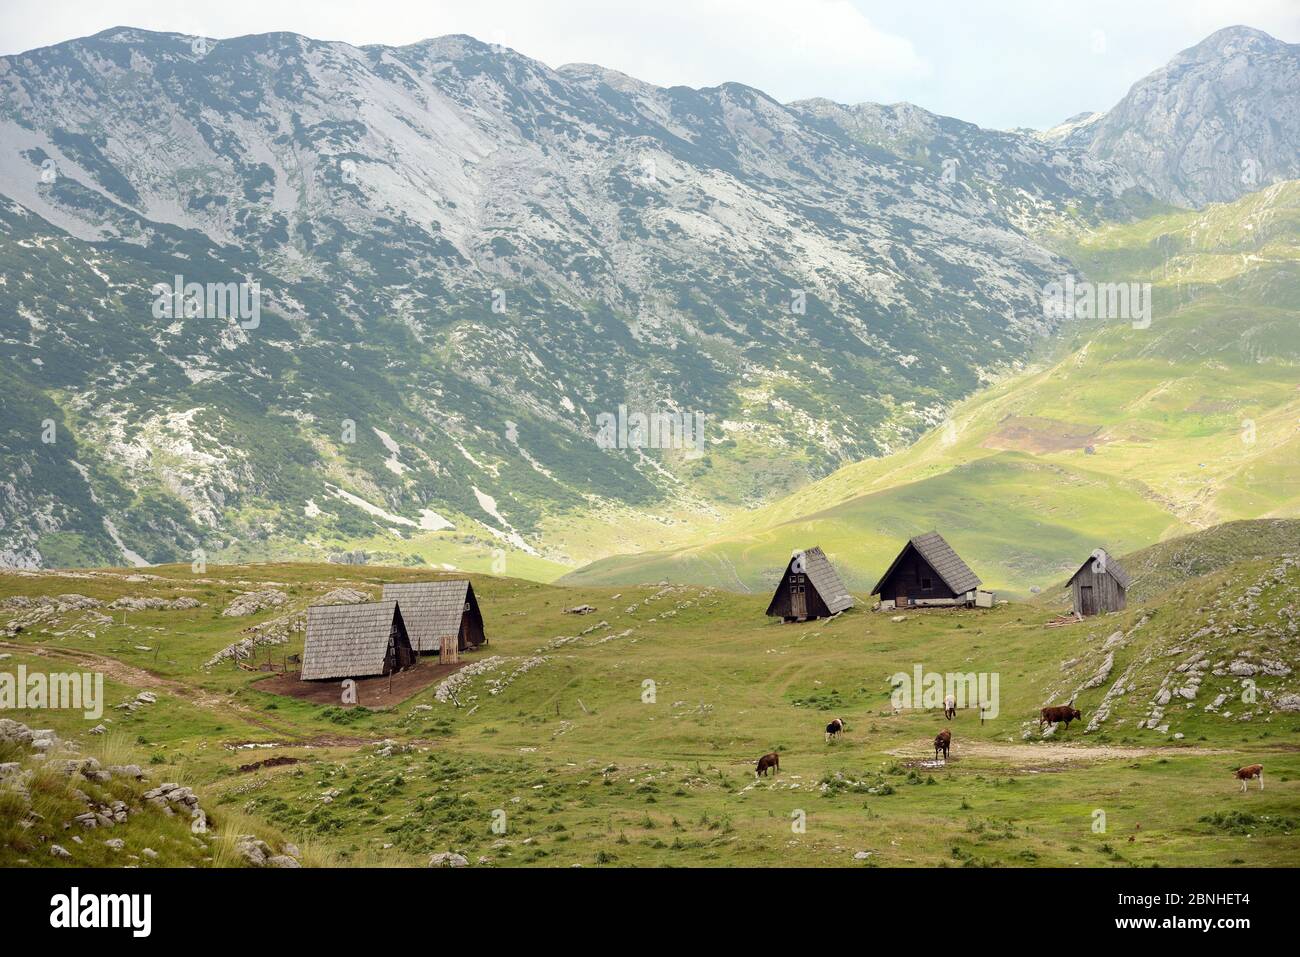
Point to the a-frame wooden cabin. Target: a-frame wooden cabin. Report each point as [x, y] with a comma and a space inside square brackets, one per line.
[927, 572]
[809, 588]
[1099, 586]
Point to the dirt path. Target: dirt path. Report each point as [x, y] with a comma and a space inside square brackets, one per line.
[134, 677]
[208, 701]
[1028, 755]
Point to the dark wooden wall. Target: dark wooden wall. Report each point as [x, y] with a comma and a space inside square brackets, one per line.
[905, 580]
[781, 600]
[1107, 593]
[471, 623]
[399, 654]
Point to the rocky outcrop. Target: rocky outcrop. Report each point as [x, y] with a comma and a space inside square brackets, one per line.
[251, 602]
[136, 603]
[257, 853]
[450, 688]
[1220, 120]
[1102, 673]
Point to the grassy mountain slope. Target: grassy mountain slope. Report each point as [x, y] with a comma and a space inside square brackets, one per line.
[559, 737]
[1169, 563]
[1191, 421]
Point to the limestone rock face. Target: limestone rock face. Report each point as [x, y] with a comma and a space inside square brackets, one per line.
[1220, 120]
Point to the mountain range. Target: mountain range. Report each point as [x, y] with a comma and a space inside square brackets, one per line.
[461, 261]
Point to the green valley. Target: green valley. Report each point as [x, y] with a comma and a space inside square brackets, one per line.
[1120, 436]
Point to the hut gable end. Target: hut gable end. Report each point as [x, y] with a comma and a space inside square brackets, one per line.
[1101, 562]
[825, 593]
[1099, 586]
[436, 610]
[927, 556]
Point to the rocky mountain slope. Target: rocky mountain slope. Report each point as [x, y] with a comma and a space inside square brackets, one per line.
[446, 264]
[1220, 120]
[1202, 652]
[1160, 567]
[65, 808]
[464, 259]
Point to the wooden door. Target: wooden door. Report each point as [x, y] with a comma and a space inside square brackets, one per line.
[798, 598]
[1087, 600]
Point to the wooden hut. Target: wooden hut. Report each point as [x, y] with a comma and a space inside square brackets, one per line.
[927, 572]
[355, 641]
[439, 610]
[1100, 585]
[809, 588]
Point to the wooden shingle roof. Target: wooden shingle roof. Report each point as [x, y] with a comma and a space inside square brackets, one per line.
[1105, 563]
[825, 579]
[947, 564]
[347, 641]
[431, 610]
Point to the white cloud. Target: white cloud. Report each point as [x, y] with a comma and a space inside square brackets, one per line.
[789, 50]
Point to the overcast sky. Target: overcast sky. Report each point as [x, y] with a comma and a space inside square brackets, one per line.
[999, 63]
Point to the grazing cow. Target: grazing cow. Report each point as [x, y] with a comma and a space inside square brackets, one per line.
[950, 707]
[770, 760]
[942, 742]
[1247, 773]
[834, 728]
[1056, 715]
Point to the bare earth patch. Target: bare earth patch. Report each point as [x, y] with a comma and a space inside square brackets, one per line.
[371, 692]
[1031, 433]
[1027, 756]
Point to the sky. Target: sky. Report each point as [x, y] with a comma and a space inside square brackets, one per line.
[998, 63]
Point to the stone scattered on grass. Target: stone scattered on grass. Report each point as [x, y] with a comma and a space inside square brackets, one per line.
[251, 602]
[448, 859]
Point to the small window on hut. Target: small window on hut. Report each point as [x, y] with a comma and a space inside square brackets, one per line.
[927, 584]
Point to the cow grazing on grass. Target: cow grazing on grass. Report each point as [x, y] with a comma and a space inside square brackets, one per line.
[834, 728]
[770, 760]
[942, 742]
[950, 707]
[1247, 773]
[1057, 715]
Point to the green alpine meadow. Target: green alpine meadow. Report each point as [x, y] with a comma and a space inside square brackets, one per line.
[424, 453]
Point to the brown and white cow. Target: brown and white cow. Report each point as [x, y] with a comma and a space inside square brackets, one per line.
[1249, 772]
[942, 742]
[834, 728]
[770, 760]
[1056, 715]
